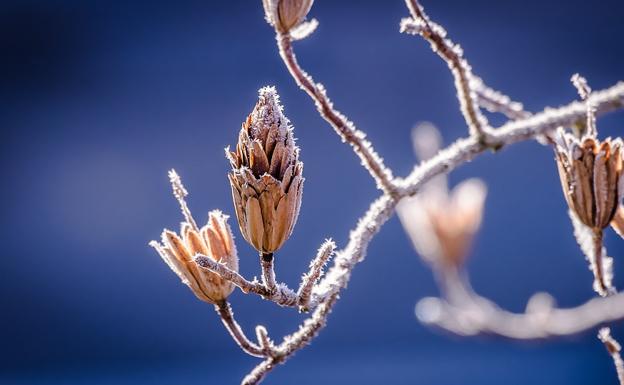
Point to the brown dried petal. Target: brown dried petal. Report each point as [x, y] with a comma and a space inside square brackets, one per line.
[582, 193]
[259, 162]
[278, 153]
[602, 193]
[195, 243]
[292, 12]
[255, 226]
[268, 218]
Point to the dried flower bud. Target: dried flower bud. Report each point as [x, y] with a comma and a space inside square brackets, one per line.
[213, 240]
[266, 177]
[442, 226]
[285, 15]
[591, 177]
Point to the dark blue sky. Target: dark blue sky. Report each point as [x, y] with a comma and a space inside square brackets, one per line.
[99, 99]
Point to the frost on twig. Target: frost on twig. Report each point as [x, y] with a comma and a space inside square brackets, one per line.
[495, 101]
[453, 55]
[600, 264]
[614, 348]
[316, 270]
[341, 124]
[282, 296]
[180, 194]
[470, 314]
[227, 317]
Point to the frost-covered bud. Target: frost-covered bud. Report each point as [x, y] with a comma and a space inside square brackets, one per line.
[591, 177]
[215, 241]
[285, 15]
[266, 176]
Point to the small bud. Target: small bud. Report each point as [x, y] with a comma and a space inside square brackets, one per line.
[213, 240]
[285, 15]
[266, 176]
[591, 176]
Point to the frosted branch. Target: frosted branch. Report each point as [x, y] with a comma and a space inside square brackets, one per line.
[590, 242]
[268, 274]
[466, 313]
[495, 101]
[341, 124]
[614, 348]
[227, 317]
[180, 194]
[316, 270]
[282, 295]
[453, 55]
[464, 150]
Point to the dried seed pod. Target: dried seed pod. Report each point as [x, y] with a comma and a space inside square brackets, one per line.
[266, 176]
[214, 240]
[591, 177]
[285, 15]
[442, 226]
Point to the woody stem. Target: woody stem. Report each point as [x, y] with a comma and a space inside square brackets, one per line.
[603, 290]
[268, 274]
[224, 310]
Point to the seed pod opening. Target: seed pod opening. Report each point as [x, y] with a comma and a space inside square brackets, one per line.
[266, 177]
[591, 175]
[214, 240]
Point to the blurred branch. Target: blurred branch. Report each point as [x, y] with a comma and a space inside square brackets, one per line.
[464, 312]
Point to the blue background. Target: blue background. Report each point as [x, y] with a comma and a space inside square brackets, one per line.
[99, 99]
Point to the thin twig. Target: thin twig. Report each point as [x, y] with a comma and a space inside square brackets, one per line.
[467, 313]
[226, 273]
[227, 316]
[316, 270]
[282, 296]
[452, 54]
[268, 273]
[180, 194]
[259, 372]
[341, 124]
[495, 101]
[602, 286]
[293, 342]
[614, 348]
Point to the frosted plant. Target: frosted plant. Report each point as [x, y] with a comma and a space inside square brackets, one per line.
[267, 184]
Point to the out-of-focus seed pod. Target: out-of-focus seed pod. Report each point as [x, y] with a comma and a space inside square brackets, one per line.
[266, 176]
[214, 240]
[442, 227]
[441, 223]
[591, 177]
[285, 15]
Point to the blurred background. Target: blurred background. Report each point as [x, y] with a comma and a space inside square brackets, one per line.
[99, 99]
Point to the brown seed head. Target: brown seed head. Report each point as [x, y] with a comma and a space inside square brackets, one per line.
[285, 15]
[591, 176]
[266, 176]
[442, 225]
[214, 240]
